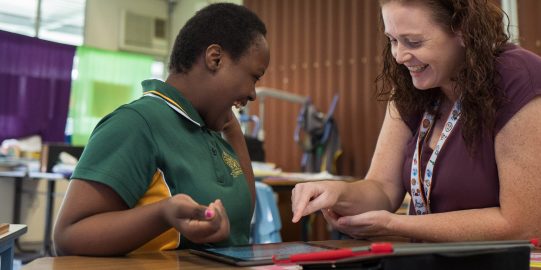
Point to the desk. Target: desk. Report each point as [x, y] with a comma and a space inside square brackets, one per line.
[6, 244]
[50, 153]
[181, 259]
[19, 177]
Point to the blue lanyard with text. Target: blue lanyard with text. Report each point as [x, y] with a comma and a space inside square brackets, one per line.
[420, 187]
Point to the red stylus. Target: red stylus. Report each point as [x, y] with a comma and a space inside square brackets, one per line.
[373, 249]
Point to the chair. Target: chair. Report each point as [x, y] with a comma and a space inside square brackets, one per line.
[267, 224]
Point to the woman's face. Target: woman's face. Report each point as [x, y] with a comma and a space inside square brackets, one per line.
[432, 55]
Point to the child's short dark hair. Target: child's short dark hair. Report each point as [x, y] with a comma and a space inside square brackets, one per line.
[231, 26]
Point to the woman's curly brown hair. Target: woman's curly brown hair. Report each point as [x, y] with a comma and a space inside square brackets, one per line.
[481, 25]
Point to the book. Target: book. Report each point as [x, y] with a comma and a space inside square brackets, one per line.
[535, 259]
[4, 228]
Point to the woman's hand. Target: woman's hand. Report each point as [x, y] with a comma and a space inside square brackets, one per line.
[307, 198]
[372, 223]
[198, 223]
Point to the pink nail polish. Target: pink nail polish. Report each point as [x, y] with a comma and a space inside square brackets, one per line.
[209, 213]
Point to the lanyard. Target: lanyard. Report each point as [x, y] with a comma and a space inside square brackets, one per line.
[420, 187]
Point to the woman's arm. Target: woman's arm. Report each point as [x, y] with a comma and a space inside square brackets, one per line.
[382, 188]
[94, 220]
[517, 148]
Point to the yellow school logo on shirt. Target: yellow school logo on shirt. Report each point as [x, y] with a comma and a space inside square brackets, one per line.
[232, 163]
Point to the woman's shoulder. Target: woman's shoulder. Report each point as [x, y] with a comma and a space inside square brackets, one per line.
[515, 60]
[518, 69]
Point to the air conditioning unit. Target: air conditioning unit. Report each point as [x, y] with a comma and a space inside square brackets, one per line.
[143, 34]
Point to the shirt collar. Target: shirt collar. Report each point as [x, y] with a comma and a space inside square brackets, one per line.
[173, 98]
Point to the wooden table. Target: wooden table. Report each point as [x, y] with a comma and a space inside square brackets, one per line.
[7, 240]
[180, 259]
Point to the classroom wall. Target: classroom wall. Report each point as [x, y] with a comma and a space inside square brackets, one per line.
[318, 49]
[529, 20]
[185, 9]
[102, 23]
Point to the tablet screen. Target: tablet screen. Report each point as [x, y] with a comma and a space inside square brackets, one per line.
[260, 253]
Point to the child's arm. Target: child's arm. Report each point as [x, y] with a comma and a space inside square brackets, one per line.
[94, 220]
[234, 136]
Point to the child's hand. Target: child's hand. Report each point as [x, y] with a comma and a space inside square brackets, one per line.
[198, 223]
[231, 124]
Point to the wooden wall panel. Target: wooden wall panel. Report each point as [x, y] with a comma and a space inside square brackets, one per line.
[529, 22]
[320, 48]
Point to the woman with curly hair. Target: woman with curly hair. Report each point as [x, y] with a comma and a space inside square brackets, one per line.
[461, 133]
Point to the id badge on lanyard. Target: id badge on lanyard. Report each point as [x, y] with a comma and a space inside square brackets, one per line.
[420, 186]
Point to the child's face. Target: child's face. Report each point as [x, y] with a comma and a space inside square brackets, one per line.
[236, 82]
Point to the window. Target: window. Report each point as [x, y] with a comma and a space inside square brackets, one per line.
[59, 20]
[18, 16]
[62, 21]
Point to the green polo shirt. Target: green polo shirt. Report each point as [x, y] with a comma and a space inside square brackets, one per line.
[158, 146]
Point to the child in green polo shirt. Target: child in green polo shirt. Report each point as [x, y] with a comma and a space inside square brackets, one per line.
[171, 169]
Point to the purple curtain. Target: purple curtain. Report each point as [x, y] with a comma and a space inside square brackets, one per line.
[35, 83]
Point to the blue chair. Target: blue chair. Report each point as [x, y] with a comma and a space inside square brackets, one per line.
[266, 227]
